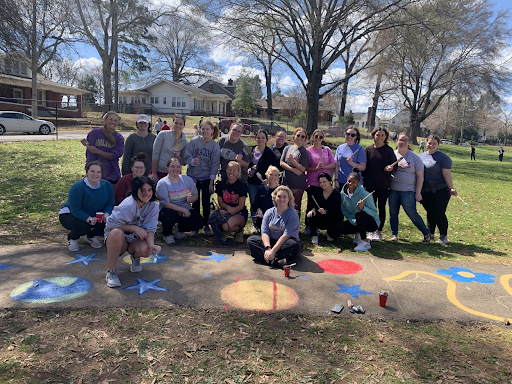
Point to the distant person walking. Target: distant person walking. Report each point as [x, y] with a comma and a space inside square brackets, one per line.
[158, 125]
[422, 146]
[501, 151]
[473, 157]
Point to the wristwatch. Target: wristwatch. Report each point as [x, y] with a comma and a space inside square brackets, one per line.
[267, 247]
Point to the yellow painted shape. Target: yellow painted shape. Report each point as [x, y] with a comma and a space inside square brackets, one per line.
[465, 274]
[505, 282]
[451, 290]
[259, 295]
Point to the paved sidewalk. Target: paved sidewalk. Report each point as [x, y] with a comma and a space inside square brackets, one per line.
[52, 277]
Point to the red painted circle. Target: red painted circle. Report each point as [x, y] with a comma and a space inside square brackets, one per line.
[339, 267]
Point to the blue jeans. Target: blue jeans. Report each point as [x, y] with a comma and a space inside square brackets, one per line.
[408, 201]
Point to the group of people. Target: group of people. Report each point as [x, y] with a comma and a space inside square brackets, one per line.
[346, 192]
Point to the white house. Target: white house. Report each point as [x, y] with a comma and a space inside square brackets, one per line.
[361, 119]
[401, 122]
[169, 97]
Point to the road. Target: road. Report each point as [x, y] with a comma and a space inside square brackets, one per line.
[61, 135]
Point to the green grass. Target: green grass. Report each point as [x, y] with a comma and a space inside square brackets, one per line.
[35, 179]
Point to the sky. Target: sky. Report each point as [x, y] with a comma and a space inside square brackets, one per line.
[358, 101]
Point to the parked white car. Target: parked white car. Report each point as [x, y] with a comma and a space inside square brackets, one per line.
[465, 144]
[11, 121]
[445, 141]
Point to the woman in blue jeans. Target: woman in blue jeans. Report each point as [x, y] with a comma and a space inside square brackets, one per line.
[406, 188]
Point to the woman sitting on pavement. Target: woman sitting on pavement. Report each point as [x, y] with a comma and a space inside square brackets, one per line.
[86, 197]
[203, 158]
[176, 193]
[327, 214]
[263, 200]
[232, 213]
[360, 212]
[132, 227]
[124, 186]
[279, 243]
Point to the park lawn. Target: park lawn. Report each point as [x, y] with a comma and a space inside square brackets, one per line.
[35, 178]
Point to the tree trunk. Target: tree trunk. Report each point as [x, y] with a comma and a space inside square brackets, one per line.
[107, 81]
[415, 127]
[312, 92]
[344, 93]
[268, 80]
[375, 104]
[34, 59]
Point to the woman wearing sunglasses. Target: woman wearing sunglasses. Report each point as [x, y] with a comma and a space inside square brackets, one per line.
[295, 161]
[349, 156]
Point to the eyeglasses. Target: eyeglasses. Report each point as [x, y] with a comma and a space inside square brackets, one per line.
[318, 137]
[351, 134]
[301, 136]
[237, 131]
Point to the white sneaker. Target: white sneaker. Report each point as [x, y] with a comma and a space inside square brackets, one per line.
[254, 230]
[442, 240]
[357, 239]
[169, 239]
[93, 241]
[377, 236]
[329, 238]
[314, 240]
[73, 245]
[225, 235]
[135, 267]
[177, 235]
[370, 236]
[112, 279]
[363, 246]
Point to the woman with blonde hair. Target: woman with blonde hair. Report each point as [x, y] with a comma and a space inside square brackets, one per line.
[106, 145]
[263, 200]
[279, 243]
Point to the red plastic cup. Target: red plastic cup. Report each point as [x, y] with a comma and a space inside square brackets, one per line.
[287, 269]
[99, 216]
[382, 300]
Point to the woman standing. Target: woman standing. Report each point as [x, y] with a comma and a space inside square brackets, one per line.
[349, 156]
[295, 161]
[360, 212]
[279, 243]
[437, 188]
[124, 186]
[85, 198]
[376, 179]
[132, 227]
[232, 214]
[203, 158]
[140, 141]
[232, 148]
[168, 144]
[263, 200]
[327, 214]
[106, 145]
[406, 188]
[262, 157]
[176, 194]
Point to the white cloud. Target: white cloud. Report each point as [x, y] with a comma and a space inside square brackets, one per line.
[333, 74]
[88, 64]
[286, 83]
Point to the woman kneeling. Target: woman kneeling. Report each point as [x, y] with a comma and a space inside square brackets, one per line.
[132, 227]
[360, 211]
[279, 242]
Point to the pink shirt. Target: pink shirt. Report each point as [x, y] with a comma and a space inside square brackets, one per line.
[324, 155]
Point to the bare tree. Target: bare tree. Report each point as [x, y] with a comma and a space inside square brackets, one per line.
[314, 34]
[35, 29]
[454, 45]
[114, 28]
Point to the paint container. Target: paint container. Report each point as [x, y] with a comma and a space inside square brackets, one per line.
[383, 297]
[287, 269]
[99, 216]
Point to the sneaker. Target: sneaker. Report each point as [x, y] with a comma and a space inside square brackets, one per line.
[169, 239]
[194, 233]
[357, 239]
[239, 237]
[279, 264]
[307, 231]
[177, 235]
[329, 238]
[254, 230]
[135, 267]
[442, 240]
[363, 246]
[318, 232]
[426, 239]
[432, 237]
[394, 238]
[370, 235]
[93, 241]
[314, 240]
[219, 235]
[207, 230]
[112, 279]
[73, 245]
[225, 235]
[377, 236]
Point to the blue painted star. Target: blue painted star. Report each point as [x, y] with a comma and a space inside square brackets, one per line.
[354, 290]
[7, 266]
[85, 260]
[143, 286]
[217, 258]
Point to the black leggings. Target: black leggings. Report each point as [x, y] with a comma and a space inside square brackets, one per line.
[170, 217]
[79, 228]
[380, 197]
[203, 189]
[364, 223]
[289, 250]
[435, 204]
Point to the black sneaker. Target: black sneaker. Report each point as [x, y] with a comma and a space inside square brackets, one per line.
[279, 264]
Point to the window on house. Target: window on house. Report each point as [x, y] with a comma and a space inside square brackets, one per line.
[152, 100]
[144, 100]
[40, 97]
[165, 100]
[132, 100]
[173, 102]
[17, 94]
